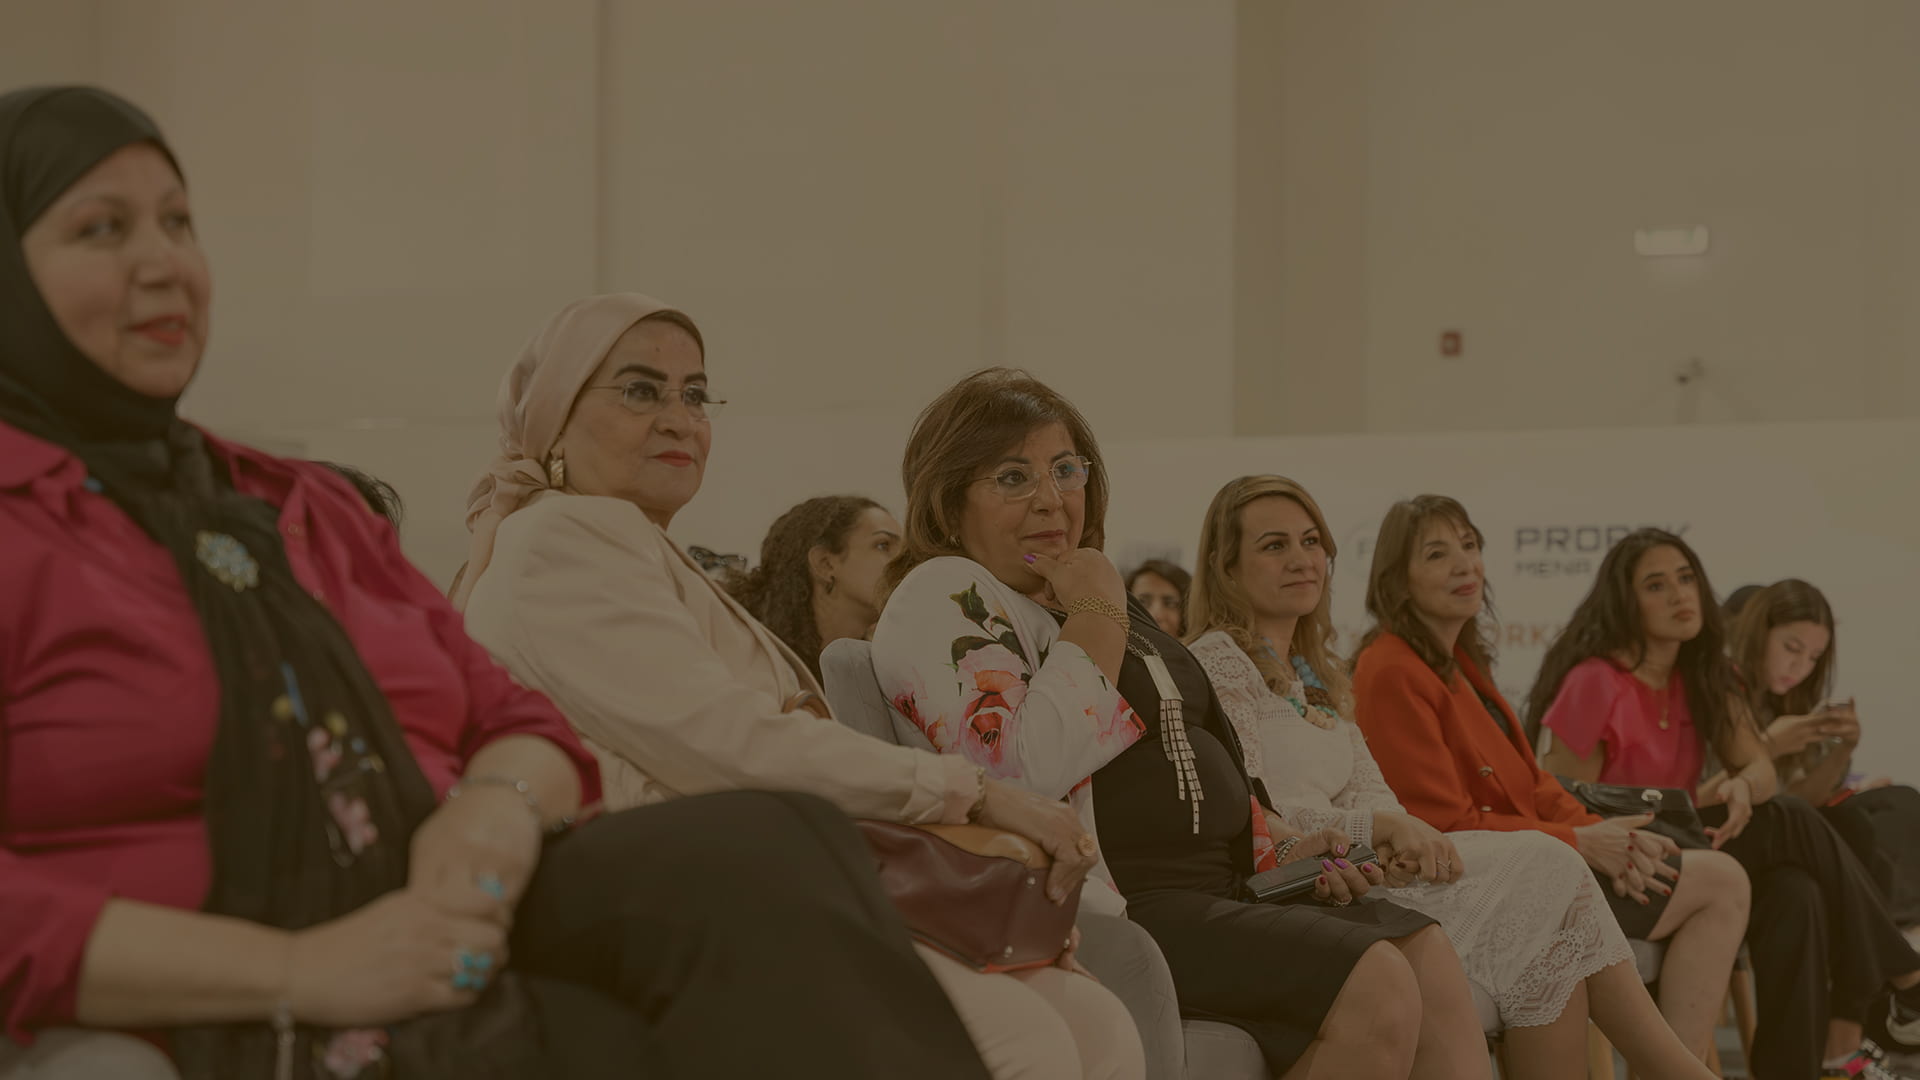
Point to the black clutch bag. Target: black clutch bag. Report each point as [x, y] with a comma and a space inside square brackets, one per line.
[1674, 815]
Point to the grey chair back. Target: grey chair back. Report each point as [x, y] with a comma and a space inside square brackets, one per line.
[846, 672]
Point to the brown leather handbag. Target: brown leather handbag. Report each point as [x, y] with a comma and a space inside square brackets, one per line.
[976, 894]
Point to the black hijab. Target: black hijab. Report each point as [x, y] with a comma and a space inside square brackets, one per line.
[49, 138]
[311, 790]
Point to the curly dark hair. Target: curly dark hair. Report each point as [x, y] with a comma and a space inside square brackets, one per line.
[1607, 624]
[779, 591]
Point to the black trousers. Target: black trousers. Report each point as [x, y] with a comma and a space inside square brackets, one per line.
[1819, 936]
[1882, 827]
[747, 933]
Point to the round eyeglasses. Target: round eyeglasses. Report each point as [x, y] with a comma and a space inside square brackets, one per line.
[648, 396]
[1018, 482]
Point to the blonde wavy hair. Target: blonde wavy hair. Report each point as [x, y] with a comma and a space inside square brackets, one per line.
[1218, 602]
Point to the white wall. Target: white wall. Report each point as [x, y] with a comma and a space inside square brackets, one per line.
[48, 41]
[858, 201]
[1194, 218]
[1512, 147]
[863, 201]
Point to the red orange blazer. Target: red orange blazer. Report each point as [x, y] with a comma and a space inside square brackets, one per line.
[1451, 764]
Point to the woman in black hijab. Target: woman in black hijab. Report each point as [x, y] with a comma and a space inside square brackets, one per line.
[222, 688]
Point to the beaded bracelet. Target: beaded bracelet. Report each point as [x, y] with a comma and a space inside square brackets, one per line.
[980, 803]
[521, 786]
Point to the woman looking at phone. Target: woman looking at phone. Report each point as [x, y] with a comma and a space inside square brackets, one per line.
[1638, 690]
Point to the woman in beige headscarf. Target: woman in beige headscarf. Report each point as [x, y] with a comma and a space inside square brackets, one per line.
[573, 583]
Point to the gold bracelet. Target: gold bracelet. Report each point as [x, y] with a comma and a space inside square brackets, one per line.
[1094, 605]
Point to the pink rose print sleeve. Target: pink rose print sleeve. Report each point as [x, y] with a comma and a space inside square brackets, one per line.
[979, 670]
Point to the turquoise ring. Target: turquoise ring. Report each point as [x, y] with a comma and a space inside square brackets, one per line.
[470, 969]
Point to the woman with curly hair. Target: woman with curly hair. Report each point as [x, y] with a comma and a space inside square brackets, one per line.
[819, 575]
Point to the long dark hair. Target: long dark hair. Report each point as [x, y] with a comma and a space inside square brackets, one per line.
[779, 591]
[1779, 604]
[1607, 624]
[1390, 586]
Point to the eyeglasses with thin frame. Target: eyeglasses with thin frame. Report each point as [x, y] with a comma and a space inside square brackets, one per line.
[1017, 482]
[710, 560]
[648, 396]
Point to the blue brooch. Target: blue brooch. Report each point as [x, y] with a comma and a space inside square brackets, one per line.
[227, 559]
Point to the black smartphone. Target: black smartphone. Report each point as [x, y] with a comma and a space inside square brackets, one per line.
[1289, 881]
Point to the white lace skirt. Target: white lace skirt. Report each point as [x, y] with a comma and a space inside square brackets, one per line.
[1527, 919]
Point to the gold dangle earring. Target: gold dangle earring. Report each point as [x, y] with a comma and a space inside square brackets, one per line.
[557, 472]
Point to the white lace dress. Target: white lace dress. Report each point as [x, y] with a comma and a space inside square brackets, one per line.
[1526, 918]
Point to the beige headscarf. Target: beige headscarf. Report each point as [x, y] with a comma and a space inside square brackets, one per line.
[535, 400]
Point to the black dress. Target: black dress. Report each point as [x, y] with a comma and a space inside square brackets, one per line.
[1270, 969]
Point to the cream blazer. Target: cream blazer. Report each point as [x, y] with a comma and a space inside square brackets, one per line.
[675, 688]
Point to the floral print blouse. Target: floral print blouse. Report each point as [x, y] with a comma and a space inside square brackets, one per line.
[982, 672]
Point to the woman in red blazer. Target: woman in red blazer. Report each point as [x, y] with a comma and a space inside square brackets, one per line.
[1451, 748]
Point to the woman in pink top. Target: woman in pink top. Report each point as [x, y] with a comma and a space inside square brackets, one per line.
[263, 800]
[1638, 690]
[1648, 733]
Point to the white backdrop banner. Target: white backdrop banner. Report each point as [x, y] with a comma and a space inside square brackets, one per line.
[1837, 504]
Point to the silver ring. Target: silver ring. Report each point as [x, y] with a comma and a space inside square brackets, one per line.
[1343, 903]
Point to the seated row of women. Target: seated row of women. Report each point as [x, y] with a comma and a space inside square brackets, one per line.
[274, 804]
[1618, 696]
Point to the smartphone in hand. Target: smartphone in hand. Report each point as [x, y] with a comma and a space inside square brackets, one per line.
[1289, 881]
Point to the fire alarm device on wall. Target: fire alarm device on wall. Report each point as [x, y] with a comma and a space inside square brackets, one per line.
[1450, 343]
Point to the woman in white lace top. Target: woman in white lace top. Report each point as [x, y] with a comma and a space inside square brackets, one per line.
[1525, 916]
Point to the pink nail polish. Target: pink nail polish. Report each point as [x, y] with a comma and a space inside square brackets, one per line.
[1342, 864]
[1029, 558]
[1340, 850]
[1326, 864]
[1322, 879]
